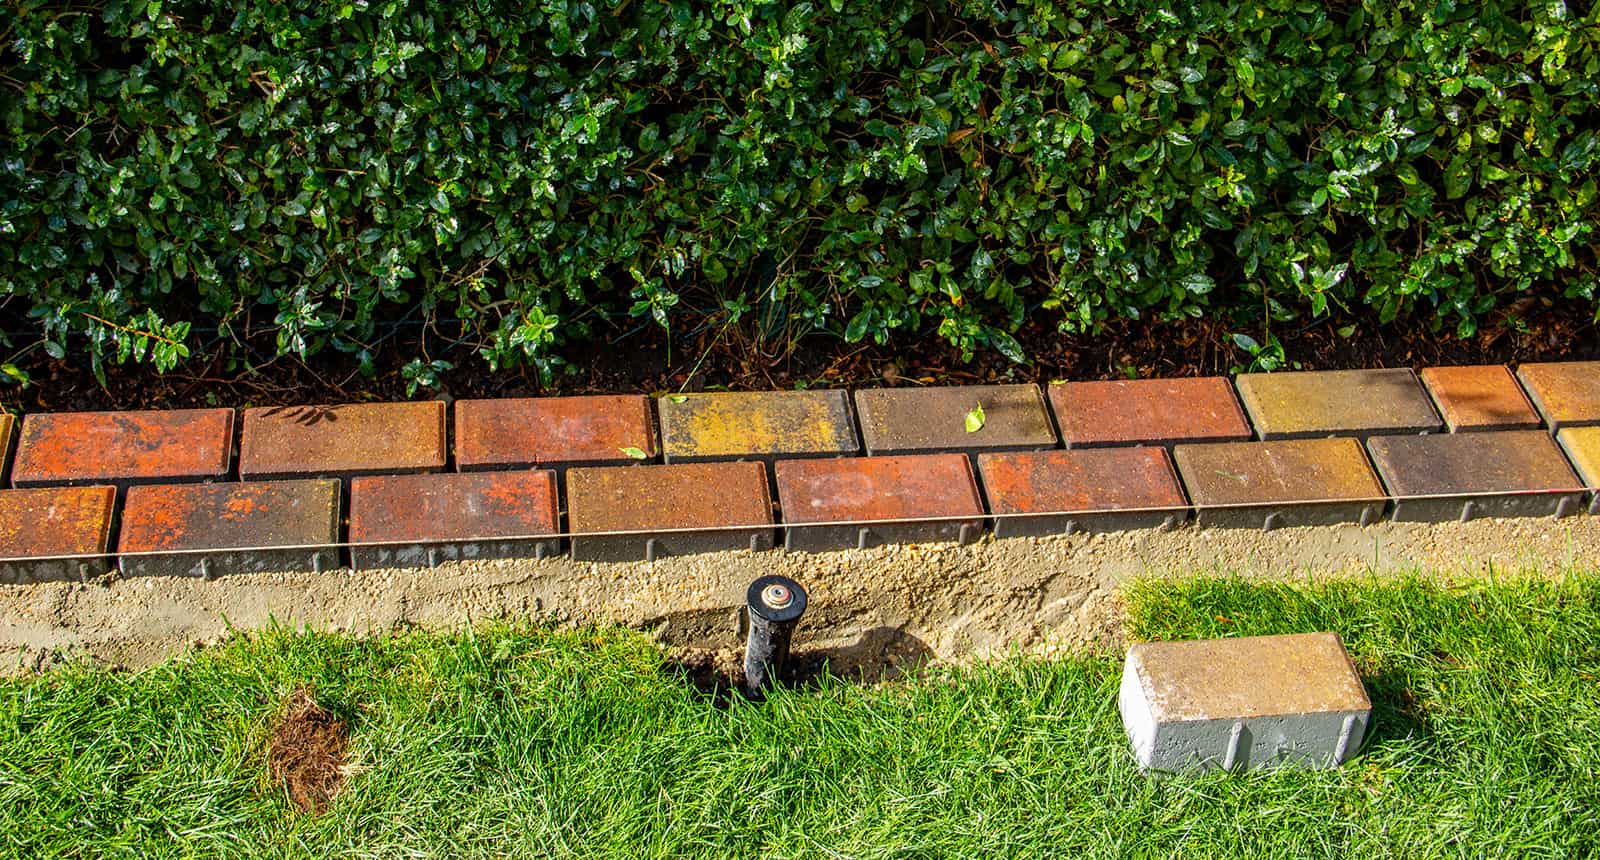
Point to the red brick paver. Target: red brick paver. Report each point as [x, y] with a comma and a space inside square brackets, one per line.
[1280, 483]
[863, 489]
[1567, 393]
[55, 533]
[1092, 489]
[213, 529]
[1479, 397]
[351, 439]
[553, 432]
[124, 447]
[756, 424]
[1510, 473]
[1306, 405]
[424, 519]
[670, 510]
[1582, 445]
[919, 420]
[1148, 411]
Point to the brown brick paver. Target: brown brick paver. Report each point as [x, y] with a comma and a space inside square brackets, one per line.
[863, 489]
[1479, 397]
[756, 424]
[1509, 473]
[1582, 445]
[424, 519]
[1567, 393]
[55, 533]
[214, 529]
[669, 510]
[1148, 411]
[1305, 405]
[920, 420]
[344, 440]
[553, 432]
[1280, 483]
[1091, 489]
[124, 447]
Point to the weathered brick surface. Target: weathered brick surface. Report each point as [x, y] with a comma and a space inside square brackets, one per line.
[8, 426]
[1582, 445]
[55, 533]
[1280, 483]
[1510, 473]
[1567, 393]
[1246, 703]
[554, 432]
[920, 420]
[668, 510]
[1305, 405]
[344, 440]
[420, 520]
[1479, 397]
[859, 490]
[1148, 411]
[124, 447]
[756, 424]
[216, 529]
[1091, 489]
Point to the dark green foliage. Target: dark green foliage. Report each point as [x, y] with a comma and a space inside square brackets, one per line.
[542, 172]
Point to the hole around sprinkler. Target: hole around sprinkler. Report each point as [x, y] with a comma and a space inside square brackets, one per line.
[307, 752]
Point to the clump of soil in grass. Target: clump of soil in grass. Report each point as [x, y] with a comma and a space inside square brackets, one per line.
[307, 752]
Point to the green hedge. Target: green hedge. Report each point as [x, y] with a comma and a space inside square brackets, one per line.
[543, 171]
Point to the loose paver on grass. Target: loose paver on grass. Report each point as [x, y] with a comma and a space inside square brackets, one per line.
[756, 424]
[55, 533]
[1510, 473]
[668, 510]
[215, 529]
[1305, 405]
[1567, 393]
[342, 441]
[1099, 489]
[1246, 703]
[124, 447]
[1582, 445]
[1479, 397]
[553, 432]
[957, 418]
[862, 489]
[1148, 411]
[420, 520]
[1291, 482]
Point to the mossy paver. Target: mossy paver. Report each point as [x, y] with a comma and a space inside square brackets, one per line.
[923, 420]
[421, 520]
[1567, 393]
[859, 490]
[124, 447]
[215, 529]
[1306, 405]
[55, 533]
[756, 425]
[1290, 482]
[1509, 473]
[1148, 411]
[553, 432]
[1582, 445]
[343, 440]
[1479, 397]
[673, 509]
[1243, 703]
[1090, 489]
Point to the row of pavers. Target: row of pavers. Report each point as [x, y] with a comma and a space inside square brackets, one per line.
[1280, 449]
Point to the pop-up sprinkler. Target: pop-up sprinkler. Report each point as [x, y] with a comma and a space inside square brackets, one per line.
[774, 604]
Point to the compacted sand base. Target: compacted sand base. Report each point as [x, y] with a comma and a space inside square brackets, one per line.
[871, 610]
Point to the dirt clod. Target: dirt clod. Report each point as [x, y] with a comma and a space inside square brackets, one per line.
[307, 752]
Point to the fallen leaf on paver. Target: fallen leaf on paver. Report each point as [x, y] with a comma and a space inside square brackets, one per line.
[678, 398]
[975, 419]
[633, 452]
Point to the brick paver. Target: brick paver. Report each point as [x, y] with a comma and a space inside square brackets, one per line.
[1305, 405]
[859, 490]
[215, 529]
[1479, 397]
[756, 424]
[1148, 411]
[1099, 489]
[345, 440]
[8, 426]
[920, 420]
[1582, 445]
[1567, 393]
[1510, 473]
[420, 520]
[553, 432]
[122, 448]
[1280, 483]
[668, 510]
[55, 533]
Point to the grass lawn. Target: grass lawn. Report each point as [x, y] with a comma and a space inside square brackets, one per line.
[536, 741]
